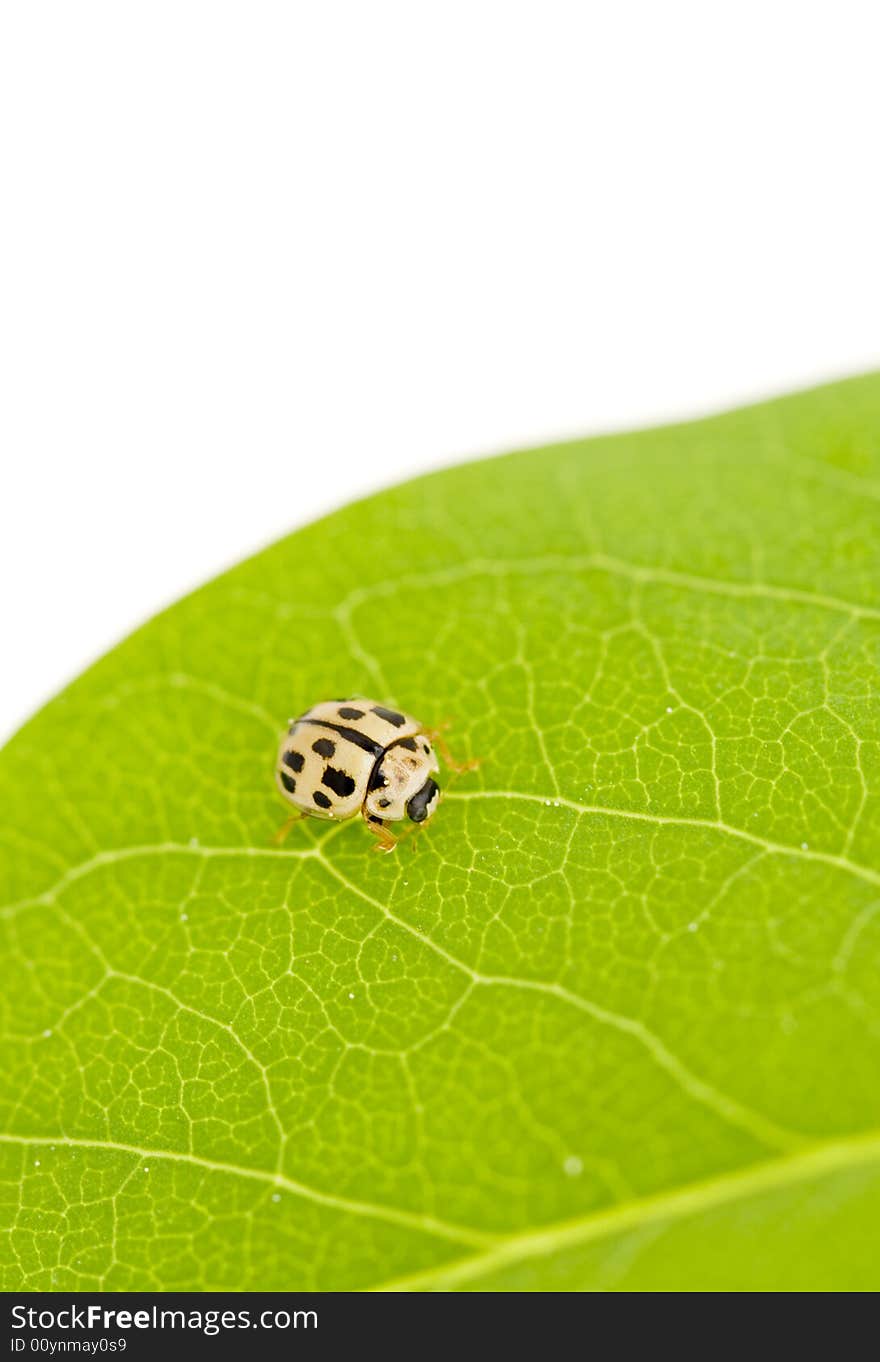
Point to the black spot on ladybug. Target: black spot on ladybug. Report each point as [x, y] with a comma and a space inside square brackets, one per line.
[347, 712]
[384, 803]
[337, 781]
[324, 747]
[321, 799]
[378, 779]
[294, 760]
[350, 735]
[288, 782]
[371, 818]
[426, 749]
[390, 716]
[417, 808]
[408, 743]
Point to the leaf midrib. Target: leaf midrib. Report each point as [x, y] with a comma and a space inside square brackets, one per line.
[822, 1159]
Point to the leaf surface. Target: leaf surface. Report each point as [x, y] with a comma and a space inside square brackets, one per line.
[613, 1023]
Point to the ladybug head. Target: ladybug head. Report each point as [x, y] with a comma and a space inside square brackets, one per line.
[402, 784]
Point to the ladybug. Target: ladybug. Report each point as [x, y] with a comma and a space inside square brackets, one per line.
[347, 757]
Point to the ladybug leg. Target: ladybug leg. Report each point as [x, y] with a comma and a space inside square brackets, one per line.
[385, 842]
[412, 834]
[435, 736]
[287, 825]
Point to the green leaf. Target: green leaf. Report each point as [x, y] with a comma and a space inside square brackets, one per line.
[613, 1023]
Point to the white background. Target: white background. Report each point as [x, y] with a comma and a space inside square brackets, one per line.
[258, 259]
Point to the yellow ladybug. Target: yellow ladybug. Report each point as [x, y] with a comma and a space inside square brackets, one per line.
[344, 757]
